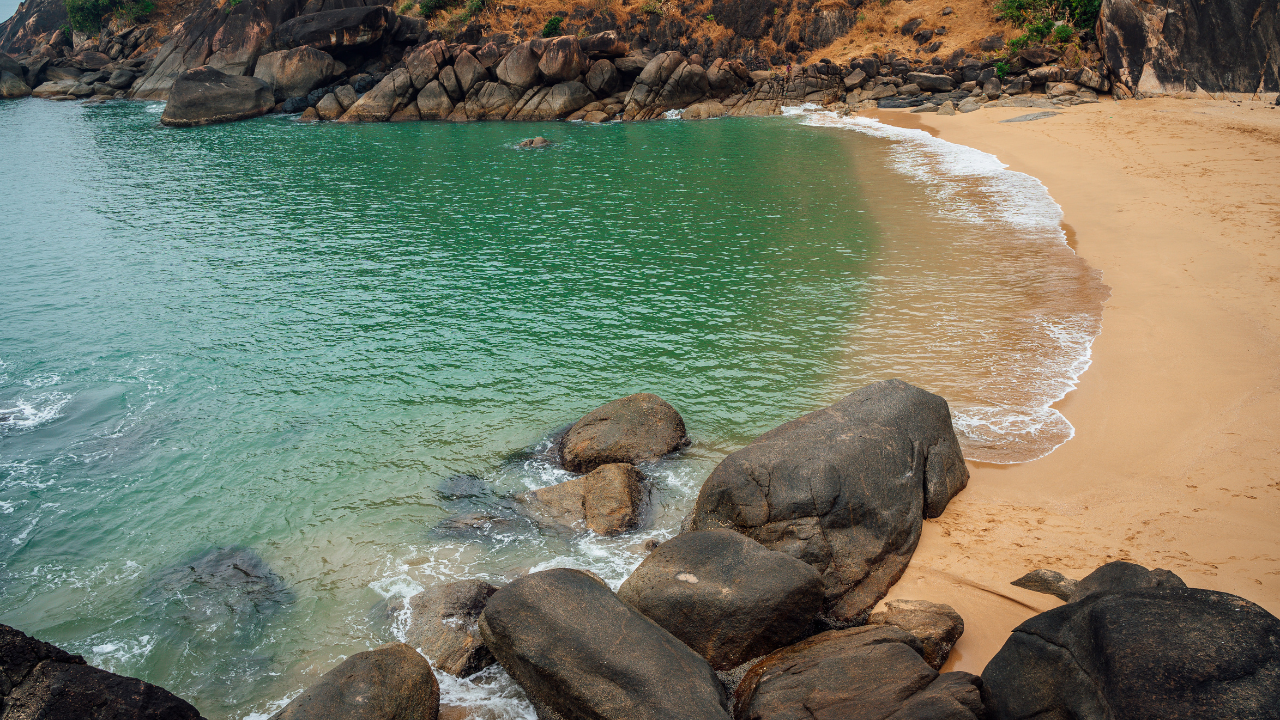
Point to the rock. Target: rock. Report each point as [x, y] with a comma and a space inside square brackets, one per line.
[443, 625]
[1140, 654]
[392, 682]
[991, 43]
[408, 113]
[433, 102]
[449, 81]
[968, 105]
[863, 673]
[121, 79]
[520, 67]
[922, 36]
[847, 489]
[493, 101]
[880, 92]
[204, 96]
[1170, 46]
[607, 44]
[926, 108]
[310, 115]
[380, 103]
[12, 86]
[81, 90]
[563, 59]
[334, 29]
[595, 117]
[469, 72]
[991, 88]
[39, 680]
[329, 108]
[930, 82]
[53, 88]
[1046, 581]
[726, 596]
[57, 73]
[32, 20]
[1038, 55]
[608, 500]
[1061, 89]
[704, 111]
[424, 62]
[603, 78]
[909, 90]
[909, 27]
[92, 60]
[635, 429]
[1090, 79]
[1048, 73]
[580, 652]
[935, 625]
[1120, 575]
[537, 142]
[295, 72]
[856, 79]
[346, 96]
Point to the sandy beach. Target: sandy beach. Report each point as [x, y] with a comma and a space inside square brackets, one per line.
[1176, 458]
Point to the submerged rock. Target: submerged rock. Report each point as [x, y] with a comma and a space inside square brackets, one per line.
[443, 625]
[12, 86]
[845, 489]
[634, 429]
[608, 500]
[535, 142]
[392, 682]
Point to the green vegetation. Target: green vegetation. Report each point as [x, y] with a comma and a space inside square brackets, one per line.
[711, 18]
[1063, 34]
[1043, 19]
[1002, 68]
[404, 9]
[431, 7]
[475, 7]
[86, 15]
[652, 7]
[552, 28]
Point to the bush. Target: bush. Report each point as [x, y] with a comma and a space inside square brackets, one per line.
[1002, 68]
[475, 7]
[1044, 14]
[552, 28]
[711, 18]
[137, 11]
[86, 15]
[431, 7]
[1063, 34]
[1017, 44]
[651, 7]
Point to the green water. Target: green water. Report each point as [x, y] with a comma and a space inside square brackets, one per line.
[285, 337]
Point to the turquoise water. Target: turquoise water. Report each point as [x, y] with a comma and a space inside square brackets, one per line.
[285, 338]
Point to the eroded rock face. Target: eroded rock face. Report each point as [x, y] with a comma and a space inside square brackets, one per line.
[341, 28]
[578, 650]
[39, 680]
[520, 66]
[602, 78]
[725, 595]
[296, 72]
[392, 682]
[935, 625]
[1140, 654]
[638, 428]
[845, 489]
[563, 59]
[205, 96]
[380, 103]
[864, 673]
[443, 625]
[1171, 46]
[32, 19]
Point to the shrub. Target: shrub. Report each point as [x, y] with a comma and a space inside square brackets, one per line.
[86, 15]
[652, 7]
[552, 28]
[475, 7]
[404, 9]
[1017, 44]
[1063, 34]
[1043, 14]
[711, 18]
[1002, 68]
[431, 7]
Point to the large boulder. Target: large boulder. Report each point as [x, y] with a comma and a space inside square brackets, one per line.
[1169, 46]
[607, 44]
[725, 595]
[380, 103]
[580, 652]
[520, 66]
[342, 28]
[863, 673]
[935, 625]
[296, 72]
[12, 86]
[204, 96]
[392, 682]
[633, 429]
[930, 82]
[603, 78]
[1120, 575]
[39, 680]
[1144, 653]
[434, 102]
[424, 62]
[563, 59]
[469, 71]
[442, 623]
[607, 500]
[845, 489]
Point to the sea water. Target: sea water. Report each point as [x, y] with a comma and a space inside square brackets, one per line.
[292, 340]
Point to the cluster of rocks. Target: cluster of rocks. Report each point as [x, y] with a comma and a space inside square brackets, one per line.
[72, 67]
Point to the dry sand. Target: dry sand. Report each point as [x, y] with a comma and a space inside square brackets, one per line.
[1176, 458]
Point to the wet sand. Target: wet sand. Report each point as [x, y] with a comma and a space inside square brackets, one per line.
[1176, 458]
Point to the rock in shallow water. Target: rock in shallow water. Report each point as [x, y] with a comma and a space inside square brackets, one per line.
[204, 96]
[392, 682]
[608, 500]
[634, 429]
[443, 625]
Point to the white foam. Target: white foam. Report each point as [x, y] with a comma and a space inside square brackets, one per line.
[39, 409]
[122, 655]
[490, 694]
[274, 706]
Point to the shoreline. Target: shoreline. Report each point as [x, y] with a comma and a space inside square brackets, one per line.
[1172, 463]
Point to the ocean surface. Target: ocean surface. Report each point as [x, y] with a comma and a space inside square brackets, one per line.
[295, 344]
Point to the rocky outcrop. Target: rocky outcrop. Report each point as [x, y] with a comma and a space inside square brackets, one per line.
[637, 428]
[935, 625]
[1157, 47]
[392, 682]
[205, 96]
[33, 19]
[442, 623]
[863, 673]
[608, 500]
[39, 680]
[296, 72]
[1121, 575]
[386, 98]
[580, 652]
[845, 489]
[346, 27]
[1141, 648]
[12, 86]
[726, 596]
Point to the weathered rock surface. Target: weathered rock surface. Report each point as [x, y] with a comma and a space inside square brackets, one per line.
[392, 682]
[725, 595]
[1170, 46]
[1048, 582]
[12, 86]
[935, 625]
[340, 28]
[634, 429]
[1152, 652]
[863, 673]
[380, 103]
[845, 489]
[1120, 575]
[434, 102]
[608, 500]
[295, 72]
[603, 77]
[39, 680]
[520, 67]
[32, 19]
[562, 59]
[204, 96]
[443, 625]
[578, 650]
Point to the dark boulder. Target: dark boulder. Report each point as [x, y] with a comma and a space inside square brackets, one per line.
[1166, 653]
[633, 429]
[845, 489]
[443, 625]
[392, 682]
[863, 673]
[204, 96]
[1038, 55]
[930, 82]
[935, 625]
[121, 79]
[579, 651]
[602, 78]
[92, 60]
[725, 595]
[343, 28]
[39, 680]
[1120, 575]
[1168, 46]
[605, 44]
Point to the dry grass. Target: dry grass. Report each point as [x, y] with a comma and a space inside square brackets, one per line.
[877, 28]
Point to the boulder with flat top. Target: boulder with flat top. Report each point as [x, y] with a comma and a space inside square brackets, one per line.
[204, 96]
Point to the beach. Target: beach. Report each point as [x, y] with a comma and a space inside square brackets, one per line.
[1174, 463]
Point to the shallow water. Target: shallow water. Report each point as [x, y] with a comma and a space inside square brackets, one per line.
[285, 338]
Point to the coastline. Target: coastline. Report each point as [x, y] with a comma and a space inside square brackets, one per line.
[1173, 460]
